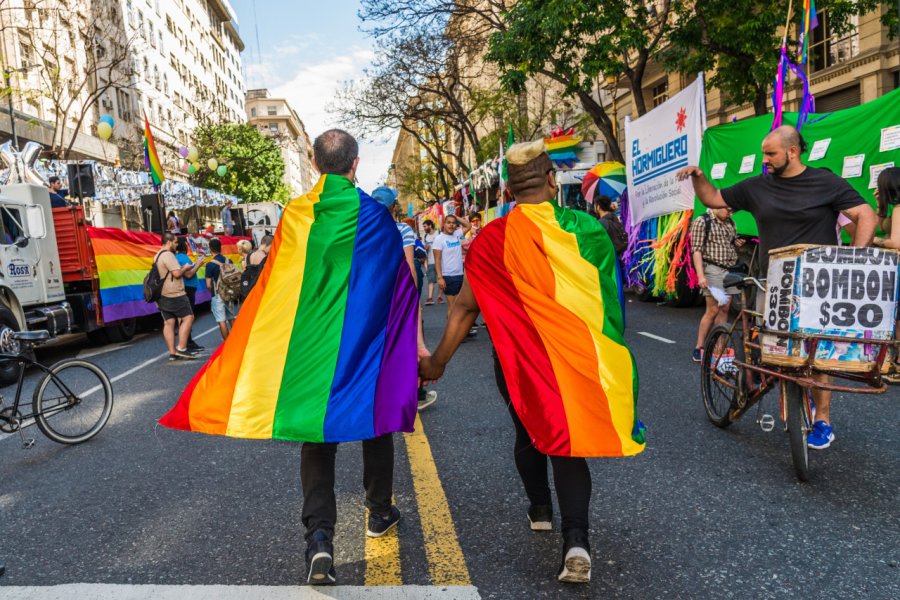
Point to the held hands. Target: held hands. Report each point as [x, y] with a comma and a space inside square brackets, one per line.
[429, 370]
[689, 171]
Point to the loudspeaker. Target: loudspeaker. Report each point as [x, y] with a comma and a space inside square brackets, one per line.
[81, 180]
[150, 211]
[240, 225]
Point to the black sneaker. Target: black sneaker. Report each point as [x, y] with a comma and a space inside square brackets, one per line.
[541, 517]
[381, 524]
[697, 355]
[576, 563]
[184, 354]
[195, 348]
[319, 559]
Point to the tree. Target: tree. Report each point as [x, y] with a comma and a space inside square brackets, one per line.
[577, 43]
[78, 51]
[739, 41]
[255, 166]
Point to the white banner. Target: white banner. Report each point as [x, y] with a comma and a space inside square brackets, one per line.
[658, 144]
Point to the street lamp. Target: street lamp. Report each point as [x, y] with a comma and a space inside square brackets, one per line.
[12, 115]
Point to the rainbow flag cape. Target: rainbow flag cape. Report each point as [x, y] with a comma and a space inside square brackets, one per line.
[122, 259]
[324, 347]
[545, 280]
[151, 158]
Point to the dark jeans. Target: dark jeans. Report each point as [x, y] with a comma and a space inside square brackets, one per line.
[571, 475]
[192, 296]
[317, 479]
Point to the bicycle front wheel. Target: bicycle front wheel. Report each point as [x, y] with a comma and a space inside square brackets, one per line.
[73, 401]
[720, 380]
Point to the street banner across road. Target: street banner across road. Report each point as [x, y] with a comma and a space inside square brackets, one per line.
[657, 145]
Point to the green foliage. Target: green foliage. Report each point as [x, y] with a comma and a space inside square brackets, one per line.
[739, 41]
[254, 161]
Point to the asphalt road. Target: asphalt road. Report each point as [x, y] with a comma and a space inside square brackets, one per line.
[702, 513]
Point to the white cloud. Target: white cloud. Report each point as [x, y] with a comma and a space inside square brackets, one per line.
[310, 86]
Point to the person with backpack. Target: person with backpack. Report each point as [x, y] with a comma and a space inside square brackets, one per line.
[171, 299]
[220, 274]
[254, 264]
[191, 281]
[713, 241]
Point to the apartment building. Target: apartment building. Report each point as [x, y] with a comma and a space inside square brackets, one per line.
[275, 118]
[71, 61]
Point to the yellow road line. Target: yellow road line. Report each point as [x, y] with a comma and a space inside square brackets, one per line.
[446, 563]
[383, 559]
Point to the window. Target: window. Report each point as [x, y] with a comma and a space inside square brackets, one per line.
[826, 49]
[273, 128]
[660, 92]
[10, 225]
[253, 112]
[271, 111]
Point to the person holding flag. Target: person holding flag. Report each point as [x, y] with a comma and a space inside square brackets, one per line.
[545, 279]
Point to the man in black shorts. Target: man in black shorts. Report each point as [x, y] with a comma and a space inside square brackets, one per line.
[174, 303]
[793, 204]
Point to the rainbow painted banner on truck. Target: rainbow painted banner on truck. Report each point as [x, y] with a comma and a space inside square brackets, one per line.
[123, 259]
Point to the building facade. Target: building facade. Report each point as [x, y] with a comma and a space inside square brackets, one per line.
[71, 61]
[275, 118]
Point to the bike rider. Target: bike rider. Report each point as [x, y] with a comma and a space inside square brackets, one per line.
[792, 203]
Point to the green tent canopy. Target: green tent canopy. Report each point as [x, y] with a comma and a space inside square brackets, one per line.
[852, 131]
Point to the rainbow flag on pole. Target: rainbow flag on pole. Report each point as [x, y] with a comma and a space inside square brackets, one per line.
[324, 347]
[151, 158]
[545, 280]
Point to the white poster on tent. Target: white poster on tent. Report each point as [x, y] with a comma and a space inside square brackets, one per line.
[658, 144]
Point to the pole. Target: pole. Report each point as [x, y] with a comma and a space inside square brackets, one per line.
[162, 211]
[12, 115]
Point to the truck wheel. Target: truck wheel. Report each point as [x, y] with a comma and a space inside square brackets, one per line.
[121, 331]
[9, 370]
[98, 336]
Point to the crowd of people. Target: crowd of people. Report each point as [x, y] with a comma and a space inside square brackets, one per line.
[793, 203]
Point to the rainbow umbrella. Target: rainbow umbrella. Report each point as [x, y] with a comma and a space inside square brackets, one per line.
[607, 178]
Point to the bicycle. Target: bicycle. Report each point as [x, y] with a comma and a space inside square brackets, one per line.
[733, 376]
[70, 404]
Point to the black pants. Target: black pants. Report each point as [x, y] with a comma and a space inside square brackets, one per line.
[192, 297]
[571, 475]
[317, 479]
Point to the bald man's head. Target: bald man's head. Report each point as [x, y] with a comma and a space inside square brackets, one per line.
[781, 151]
[335, 152]
[788, 136]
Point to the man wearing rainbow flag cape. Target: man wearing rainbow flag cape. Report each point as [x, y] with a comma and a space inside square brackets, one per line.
[545, 279]
[323, 350]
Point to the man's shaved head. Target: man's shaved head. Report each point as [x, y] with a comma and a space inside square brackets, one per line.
[788, 136]
[781, 151]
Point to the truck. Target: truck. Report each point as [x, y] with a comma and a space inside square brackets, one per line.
[48, 275]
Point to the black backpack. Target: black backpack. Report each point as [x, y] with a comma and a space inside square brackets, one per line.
[153, 283]
[250, 276]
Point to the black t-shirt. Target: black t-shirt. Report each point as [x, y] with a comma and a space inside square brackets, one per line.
[793, 210]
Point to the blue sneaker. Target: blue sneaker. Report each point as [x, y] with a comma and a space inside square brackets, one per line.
[821, 436]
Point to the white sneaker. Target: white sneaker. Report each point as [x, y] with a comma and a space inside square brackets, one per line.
[429, 399]
[576, 566]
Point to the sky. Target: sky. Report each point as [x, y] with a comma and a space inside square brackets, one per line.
[306, 49]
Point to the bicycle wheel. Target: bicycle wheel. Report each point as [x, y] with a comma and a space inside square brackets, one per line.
[798, 423]
[73, 401]
[720, 380]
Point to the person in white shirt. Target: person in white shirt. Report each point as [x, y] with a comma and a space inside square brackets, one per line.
[448, 259]
[430, 272]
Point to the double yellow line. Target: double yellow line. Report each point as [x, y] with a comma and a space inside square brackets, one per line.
[446, 563]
